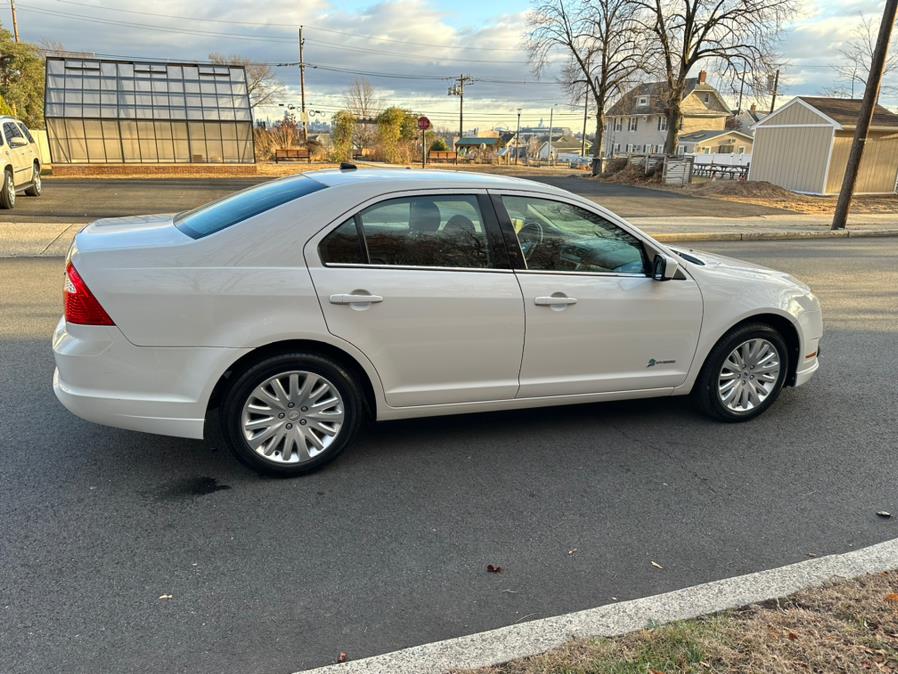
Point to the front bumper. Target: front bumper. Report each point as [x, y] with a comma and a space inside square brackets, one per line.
[102, 377]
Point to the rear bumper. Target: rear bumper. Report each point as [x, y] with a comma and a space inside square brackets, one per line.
[101, 377]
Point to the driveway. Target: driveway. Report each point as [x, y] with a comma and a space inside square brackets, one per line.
[66, 200]
[387, 547]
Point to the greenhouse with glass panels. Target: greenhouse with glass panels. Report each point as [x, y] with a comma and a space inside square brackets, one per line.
[103, 112]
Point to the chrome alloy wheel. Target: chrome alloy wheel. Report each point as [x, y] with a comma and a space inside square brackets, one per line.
[10, 189]
[36, 181]
[292, 417]
[748, 375]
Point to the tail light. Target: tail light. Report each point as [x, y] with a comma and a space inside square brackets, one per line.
[81, 306]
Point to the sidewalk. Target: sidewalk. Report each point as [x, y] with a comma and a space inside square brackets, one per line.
[29, 239]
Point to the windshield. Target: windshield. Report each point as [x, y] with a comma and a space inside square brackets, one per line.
[217, 215]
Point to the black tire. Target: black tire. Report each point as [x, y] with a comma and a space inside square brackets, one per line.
[705, 391]
[239, 392]
[36, 187]
[8, 190]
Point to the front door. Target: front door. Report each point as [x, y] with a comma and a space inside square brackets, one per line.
[422, 285]
[596, 322]
[20, 154]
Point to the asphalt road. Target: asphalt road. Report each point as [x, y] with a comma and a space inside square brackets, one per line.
[387, 547]
[67, 200]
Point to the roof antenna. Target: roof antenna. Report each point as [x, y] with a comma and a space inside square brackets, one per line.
[347, 166]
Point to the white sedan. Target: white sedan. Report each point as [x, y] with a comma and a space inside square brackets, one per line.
[298, 308]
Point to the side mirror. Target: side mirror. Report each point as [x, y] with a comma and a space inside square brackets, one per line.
[18, 142]
[664, 268]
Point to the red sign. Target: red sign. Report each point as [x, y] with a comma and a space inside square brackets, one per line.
[423, 123]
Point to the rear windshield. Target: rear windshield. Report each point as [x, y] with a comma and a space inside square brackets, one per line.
[217, 215]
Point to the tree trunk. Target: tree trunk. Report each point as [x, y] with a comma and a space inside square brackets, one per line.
[597, 148]
[674, 117]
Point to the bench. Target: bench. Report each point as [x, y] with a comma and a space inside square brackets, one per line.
[442, 155]
[291, 154]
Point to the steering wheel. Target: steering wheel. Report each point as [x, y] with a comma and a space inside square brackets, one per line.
[530, 238]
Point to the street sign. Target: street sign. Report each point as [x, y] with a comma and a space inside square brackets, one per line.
[423, 123]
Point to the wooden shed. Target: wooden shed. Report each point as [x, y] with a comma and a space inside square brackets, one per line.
[803, 146]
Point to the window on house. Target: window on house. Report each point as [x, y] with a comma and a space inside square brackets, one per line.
[618, 123]
[726, 148]
[633, 123]
[740, 150]
[706, 150]
[643, 100]
[662, 123]
[628, 147]
[706, 98]
[616, 148]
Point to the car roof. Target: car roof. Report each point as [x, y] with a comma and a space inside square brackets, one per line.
[399, 179]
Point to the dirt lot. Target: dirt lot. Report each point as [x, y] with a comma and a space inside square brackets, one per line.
[850, 626]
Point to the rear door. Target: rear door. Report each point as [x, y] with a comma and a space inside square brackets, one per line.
[596, 321]
[421, 283]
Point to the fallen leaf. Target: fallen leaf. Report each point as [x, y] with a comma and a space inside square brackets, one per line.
[892, 597]
[657, 565]
[493, 568]
[792, 636]
[343, 657]
[572, 551]
[885, 514]
[166, 596]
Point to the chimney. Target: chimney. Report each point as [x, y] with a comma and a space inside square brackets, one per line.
[702, 76]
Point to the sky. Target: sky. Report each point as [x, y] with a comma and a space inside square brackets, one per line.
[407, 49]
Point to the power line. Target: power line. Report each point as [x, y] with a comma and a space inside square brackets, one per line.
[286, 25]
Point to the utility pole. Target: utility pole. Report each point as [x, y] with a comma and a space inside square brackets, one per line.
[776, 82]
[865, 116]
[302, 89]
[585, 112]
[741, 88]
[458, 89]
[551, 112]
[517, 139]
[15, 21]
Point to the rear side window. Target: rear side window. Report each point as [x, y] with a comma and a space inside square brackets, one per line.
[217, 215]
[26, 132]
[425, 231]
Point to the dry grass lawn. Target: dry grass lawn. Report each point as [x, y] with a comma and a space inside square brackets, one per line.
[766, 194]
[849, 626]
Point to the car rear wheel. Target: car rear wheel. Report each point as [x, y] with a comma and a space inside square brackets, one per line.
[744, 374]
[291, 413]
[8, 191]
[36, 187]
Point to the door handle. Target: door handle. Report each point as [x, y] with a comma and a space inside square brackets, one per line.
[350, 298]
[554, 301]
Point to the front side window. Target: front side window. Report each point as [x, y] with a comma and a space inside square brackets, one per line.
[11, 130]
[217, 215]
[425, 231]
[555, 236]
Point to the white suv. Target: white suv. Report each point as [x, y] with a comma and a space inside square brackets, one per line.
[21, 162]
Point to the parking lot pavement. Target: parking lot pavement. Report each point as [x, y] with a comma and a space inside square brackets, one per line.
[66, 200]
[387, 547]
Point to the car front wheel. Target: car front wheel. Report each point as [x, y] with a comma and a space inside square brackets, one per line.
[743, 374]
[291, 413]
[8, 191]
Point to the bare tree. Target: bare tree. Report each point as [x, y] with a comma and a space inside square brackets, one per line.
[857, 54]
[365, 105]
[738, 34]
[604, 48]
[261, 83]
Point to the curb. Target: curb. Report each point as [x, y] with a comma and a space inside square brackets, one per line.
[531, 638]
[771, 236]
